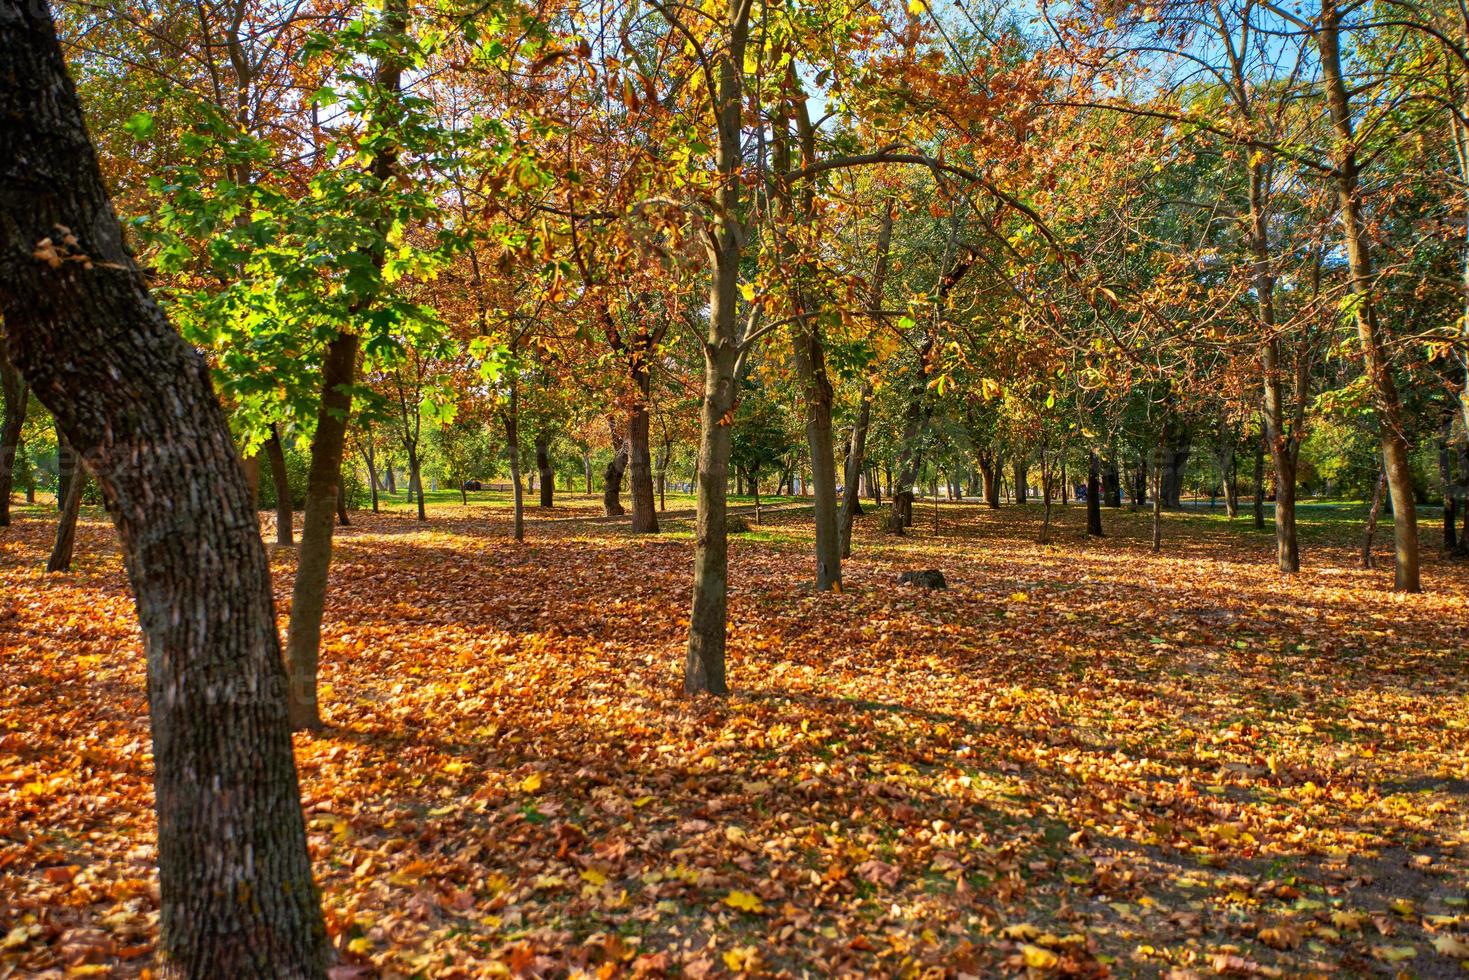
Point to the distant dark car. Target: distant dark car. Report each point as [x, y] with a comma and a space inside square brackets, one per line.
[473, 485]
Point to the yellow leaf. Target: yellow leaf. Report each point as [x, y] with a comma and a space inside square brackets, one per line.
[1452, 946]
[1402, 906]
[1348, 920]
[915, 7]
[531, 783]
[361, 946]
[642, 801]
[740, 959]
[744, 901]
[1019, 597]
[1023, 930]
[1037, 958]
[1394, 954]
[594, 877]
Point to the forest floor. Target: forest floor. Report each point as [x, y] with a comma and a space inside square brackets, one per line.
[1080, 759]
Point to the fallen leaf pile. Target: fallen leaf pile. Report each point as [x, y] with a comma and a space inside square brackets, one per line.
[1080, 760]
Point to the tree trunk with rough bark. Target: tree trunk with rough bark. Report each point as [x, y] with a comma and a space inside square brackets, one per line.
[1022, 470]
[640, 467]
[704, 661]
[141, 410]
[1369, 333]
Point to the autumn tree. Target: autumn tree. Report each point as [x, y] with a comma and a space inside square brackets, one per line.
[142, 412]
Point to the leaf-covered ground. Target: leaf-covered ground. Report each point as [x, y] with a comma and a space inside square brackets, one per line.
[1081, 759]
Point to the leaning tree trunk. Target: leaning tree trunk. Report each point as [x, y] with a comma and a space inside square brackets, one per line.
[338, 372]
[280, 480]
[66, 465]
[543, 466]
[66, 524]
[16, 395]
[1360, 271]
[308, 598]
[237, 894]
[1093, 494]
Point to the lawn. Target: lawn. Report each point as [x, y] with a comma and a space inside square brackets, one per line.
[1080, 759]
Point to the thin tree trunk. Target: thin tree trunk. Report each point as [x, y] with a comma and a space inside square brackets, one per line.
[66, 525]
[415, 477]
[664, 452]
[1260, 482]
[543, 466]
[228, 809]
[16, 393]
[511, 419]
[1021, 471]
[1158, 488]
[66, 464]
[1449, 487]
[1370, 530]
[586, 462]
[369, 455]
[276, 455]
[342, 519]
[390, 481]
[1047, 477]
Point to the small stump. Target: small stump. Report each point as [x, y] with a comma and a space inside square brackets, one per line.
[930, 578]
[735, 524]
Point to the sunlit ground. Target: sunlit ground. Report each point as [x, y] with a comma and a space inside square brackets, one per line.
[1080, 758]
